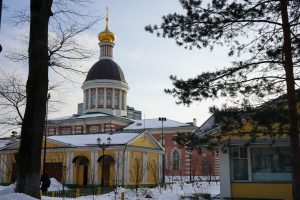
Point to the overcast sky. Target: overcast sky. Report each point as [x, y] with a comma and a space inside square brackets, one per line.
[147, 61]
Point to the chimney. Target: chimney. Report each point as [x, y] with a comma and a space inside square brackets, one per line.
[194, 122]
[80, 109]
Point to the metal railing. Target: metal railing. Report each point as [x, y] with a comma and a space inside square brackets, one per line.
[75, 191]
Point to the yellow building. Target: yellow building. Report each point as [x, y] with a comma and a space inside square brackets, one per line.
[130, 158]
[253, 164]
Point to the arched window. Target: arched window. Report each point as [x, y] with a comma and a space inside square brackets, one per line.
[175, 160]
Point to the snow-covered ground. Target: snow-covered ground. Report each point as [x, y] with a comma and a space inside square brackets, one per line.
[172, 192]
[55, 185]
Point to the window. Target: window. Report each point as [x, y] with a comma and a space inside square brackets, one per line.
[271, 164]
[86, 94]
[175, 160]
[117, 100]
[239, 163]
[51, 131]
[66, 130]
[174, 139]
[78, 129]
[109, 98]
[93, 98]
[93, 128]
[100, 97]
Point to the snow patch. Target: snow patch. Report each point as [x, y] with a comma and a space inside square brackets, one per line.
[56, 185]
[172, 192]
[16, 196]
[7, 189]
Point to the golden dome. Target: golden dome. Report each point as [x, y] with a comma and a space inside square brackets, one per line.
[106, 35]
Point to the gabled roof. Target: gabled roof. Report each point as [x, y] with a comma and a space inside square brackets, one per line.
[14, 144]
[147, 139]
[210, 128]
[125, 137]
[154, 123]
[209, 124]
[117, 138]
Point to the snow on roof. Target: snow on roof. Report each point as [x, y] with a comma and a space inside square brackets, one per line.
[92, 115]
[80, 116]
[91, 139]
[62, 118]
[154, 123]
[4, 142]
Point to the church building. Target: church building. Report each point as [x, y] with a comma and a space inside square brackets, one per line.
[128, 144]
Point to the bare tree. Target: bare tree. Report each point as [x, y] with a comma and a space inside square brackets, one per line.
[7, 161]
[207, 166]
[181, 179]
[117, 175]
[59, 157]
[137, 172]
[39, 59]
[93, 177]
[13, 101]
[66, 25]
[154, 169]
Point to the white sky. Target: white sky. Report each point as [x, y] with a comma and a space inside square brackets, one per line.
[147, 61]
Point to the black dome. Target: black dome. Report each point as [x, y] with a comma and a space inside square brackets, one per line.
[105, 69]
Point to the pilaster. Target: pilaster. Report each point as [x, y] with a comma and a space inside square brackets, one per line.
[145, 177]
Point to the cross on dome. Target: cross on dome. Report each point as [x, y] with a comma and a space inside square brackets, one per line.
[106, 35]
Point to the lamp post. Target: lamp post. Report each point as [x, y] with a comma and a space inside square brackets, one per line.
[45, 133]
[163, 119]
[103, 146]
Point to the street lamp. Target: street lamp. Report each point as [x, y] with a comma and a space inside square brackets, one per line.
[163, 119]
[45, 133]
[103, 146]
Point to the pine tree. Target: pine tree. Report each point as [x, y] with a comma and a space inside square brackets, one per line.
[267, 31]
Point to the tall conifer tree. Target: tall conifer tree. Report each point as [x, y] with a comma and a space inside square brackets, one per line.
[267, 31]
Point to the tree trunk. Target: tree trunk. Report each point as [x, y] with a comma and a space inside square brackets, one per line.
[28, 157]
[292, 101]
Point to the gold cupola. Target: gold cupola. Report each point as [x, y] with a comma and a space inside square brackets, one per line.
[106, 35]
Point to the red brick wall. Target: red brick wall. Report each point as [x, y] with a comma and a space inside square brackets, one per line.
[205, 157]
